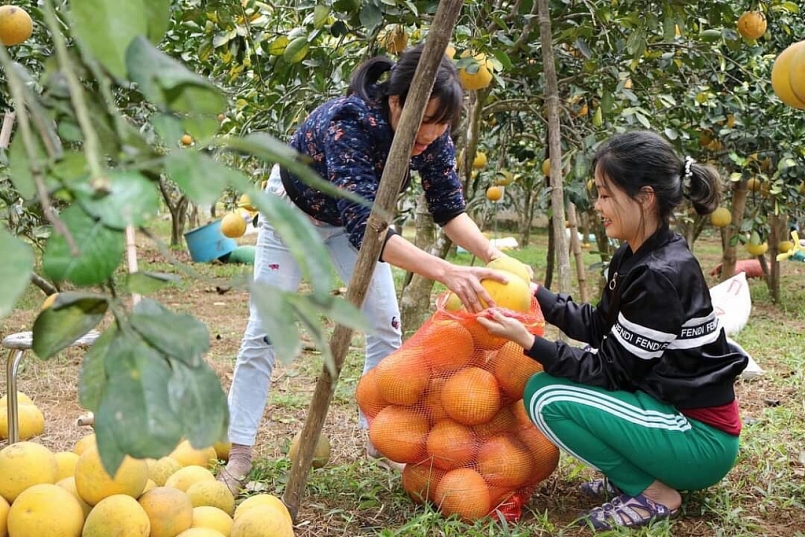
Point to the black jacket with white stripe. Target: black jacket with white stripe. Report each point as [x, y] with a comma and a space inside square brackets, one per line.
[654, 330]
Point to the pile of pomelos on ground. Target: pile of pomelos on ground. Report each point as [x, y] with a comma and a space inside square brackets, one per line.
[69, 494]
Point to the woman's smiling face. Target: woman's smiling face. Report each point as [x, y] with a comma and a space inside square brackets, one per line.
[623, 216]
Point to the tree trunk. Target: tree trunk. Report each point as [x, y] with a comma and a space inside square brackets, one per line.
[555, 147]
[738, 207]
[416, 290]
[575, 245]
[778, 232]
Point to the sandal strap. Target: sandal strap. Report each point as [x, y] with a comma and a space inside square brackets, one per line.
[600, 487]
[628, 512]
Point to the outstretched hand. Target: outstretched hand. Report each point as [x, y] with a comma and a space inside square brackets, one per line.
[502, 325]
[465, 282]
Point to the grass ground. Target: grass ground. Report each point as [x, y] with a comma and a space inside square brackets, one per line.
[763, 495]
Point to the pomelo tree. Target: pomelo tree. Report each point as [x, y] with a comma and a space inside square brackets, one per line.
[93, 169]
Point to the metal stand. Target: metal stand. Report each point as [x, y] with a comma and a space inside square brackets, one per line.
[17, 344]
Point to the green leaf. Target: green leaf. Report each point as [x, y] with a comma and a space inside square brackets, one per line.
[177, 335]
[196, 396]
[168, 83]
[310, 311]
[320, 14]
[92, 379]
[148, 282]
[111, 453]
[72, 315]
[107, 27]
[201, 127]
[132, 200]
[19, 167]
[200, 177]
[100, 250]
[15, 270]
[158, 13]
[371, 16]
[279, 320]
[136, 403]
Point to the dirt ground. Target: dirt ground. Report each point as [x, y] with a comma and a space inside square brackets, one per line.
[53, 386]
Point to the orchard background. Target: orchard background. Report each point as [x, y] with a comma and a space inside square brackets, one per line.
[156, 116]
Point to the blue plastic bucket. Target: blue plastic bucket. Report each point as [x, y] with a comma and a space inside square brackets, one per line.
[207, 243]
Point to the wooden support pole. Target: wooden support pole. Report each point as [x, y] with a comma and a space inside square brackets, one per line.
[390, 183]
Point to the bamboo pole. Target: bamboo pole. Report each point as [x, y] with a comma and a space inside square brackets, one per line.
[376, 229]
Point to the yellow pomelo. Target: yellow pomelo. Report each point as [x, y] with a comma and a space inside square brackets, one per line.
[781, 76]
[233, 225]
[504, 178]
[321, 455]
[45, 510]
[202, 532]
[494, 193]
[94, 483]
[4, 507]
[245, 202]
[752, 25]
[259, 500]
[117, 515]
[262, 521]
[473, 79]
[206, 516]
[721, 217]
[396, 39]
[212, 494]
[187, 455]
[785, 246]
[15, 25]
[450, 51]
[513, 295]
[453, 303]
[480, 160]
[509, 264]
[68, 484]
[796, 74]
[187, 476]
[546, 166]
[22, 399]
[162, 469]
[31, 421]
[757, 249]
[23, 465]
[67, 461]
[222, 450]
[84, 443]
[169, 511]
[48, 302]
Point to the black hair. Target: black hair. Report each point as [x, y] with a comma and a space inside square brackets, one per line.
[638, 159]
[446, 88]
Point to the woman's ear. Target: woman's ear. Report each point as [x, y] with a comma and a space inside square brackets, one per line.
[647, 196]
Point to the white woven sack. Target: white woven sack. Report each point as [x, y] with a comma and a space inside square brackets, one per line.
[733, 304]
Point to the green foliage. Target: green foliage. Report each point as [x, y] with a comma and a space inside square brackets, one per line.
[93, 167]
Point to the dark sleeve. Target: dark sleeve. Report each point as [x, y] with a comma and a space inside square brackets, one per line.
[348, 149]
[437, 167]
[582, 322]
[648, 321]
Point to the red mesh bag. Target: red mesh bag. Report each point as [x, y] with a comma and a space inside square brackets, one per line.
[448, 404]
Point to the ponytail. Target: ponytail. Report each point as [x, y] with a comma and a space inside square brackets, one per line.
[701, 185]
[367, 74]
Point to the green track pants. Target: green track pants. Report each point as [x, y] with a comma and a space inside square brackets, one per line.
[632, 438]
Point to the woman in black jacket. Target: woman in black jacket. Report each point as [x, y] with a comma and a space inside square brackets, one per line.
[649, 401]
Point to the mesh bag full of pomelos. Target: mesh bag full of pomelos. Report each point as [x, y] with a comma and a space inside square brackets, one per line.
[448, 404]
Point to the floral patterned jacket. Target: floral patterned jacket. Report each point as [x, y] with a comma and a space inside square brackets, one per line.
[348, 140]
